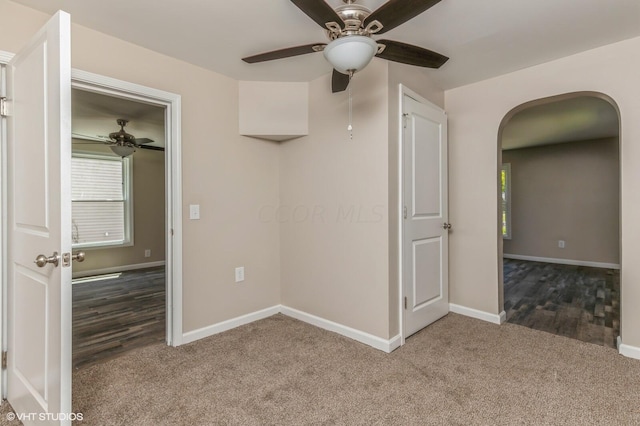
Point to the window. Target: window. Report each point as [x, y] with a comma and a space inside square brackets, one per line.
[505, 179]
[101, 200]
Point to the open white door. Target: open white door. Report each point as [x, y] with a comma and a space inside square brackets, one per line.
[425, 228]
[39, 222]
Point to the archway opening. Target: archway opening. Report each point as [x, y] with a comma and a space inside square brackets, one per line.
[559, 216]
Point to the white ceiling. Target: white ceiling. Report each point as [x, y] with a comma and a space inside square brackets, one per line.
[569, 120]
[483, 38]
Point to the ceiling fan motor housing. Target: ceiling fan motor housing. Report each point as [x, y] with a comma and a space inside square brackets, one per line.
[353, 16]
[121, 137]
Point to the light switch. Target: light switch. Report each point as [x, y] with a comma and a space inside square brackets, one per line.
[194, 211]
[240, 274]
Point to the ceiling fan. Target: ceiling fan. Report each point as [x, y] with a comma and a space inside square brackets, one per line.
[351, 47]
[120, 142]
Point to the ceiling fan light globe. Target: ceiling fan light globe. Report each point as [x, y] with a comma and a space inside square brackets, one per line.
[122, 150]
[351, 53]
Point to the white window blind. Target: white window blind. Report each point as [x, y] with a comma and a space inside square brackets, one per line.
[99, 193]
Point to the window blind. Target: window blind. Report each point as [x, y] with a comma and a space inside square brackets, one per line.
[98, 200]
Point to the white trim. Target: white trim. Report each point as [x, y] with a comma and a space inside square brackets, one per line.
[360, 336]
[401, 93]
[122, 268]
[173, 179]
[394, 343]
[210, 330]
[563, 261]
[5, 57]
[628, 350]
[481, 315]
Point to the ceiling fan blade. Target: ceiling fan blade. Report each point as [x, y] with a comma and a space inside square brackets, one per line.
[139, 141]
[285, 53]
[151, 147]
[397, 12]
[339, 82]
[90, 138]
[412, 55]
[319, 11]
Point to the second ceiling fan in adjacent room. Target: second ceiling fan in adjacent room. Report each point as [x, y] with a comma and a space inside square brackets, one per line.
[120, 142]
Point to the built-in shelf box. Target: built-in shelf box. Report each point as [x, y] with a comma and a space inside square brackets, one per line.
[275, 111]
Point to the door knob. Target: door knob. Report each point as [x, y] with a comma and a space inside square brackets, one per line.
[79, 256]
[446, 225]
[42, 260]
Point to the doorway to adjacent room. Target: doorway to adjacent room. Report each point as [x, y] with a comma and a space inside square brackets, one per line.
[560, 216]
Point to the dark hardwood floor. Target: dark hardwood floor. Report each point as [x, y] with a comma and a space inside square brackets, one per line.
[113, 316]
[572, 301]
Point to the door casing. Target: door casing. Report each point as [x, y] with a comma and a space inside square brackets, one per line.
[173, 180]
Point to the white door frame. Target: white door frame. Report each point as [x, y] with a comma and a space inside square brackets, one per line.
[5, 57]
[173, 180]
[173, 184]
[402, 92]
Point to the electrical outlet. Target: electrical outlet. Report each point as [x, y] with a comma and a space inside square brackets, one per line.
[561, 243]
[147, 253]
[240, 274]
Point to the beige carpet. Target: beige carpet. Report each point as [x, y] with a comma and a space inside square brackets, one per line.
[277, 371]
[7, 416]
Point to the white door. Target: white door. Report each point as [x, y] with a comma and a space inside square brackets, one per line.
[39, 222]
[425, 227]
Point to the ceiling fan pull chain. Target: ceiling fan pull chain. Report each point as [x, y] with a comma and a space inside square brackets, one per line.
[350, 126]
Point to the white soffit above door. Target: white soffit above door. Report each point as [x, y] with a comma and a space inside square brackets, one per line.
[483, 38]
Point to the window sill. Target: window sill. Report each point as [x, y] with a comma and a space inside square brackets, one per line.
[101, 246]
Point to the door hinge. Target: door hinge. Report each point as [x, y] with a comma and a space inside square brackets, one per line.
[405, 212]
[405, 303]
[3, 107]
[4, 360]
[404, 120]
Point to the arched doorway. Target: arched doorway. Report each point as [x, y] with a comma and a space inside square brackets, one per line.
[559, 185]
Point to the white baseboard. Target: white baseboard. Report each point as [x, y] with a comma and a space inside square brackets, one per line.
[563, 261]
[628, 350]
[114, 269]
[360, 336]
[481, 315]
[210, 330]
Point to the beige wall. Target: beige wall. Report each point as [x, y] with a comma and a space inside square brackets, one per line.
[475, 113]
[148, 216]
[566, 192]
[333, 193]
[230, 176]
[339, 202]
